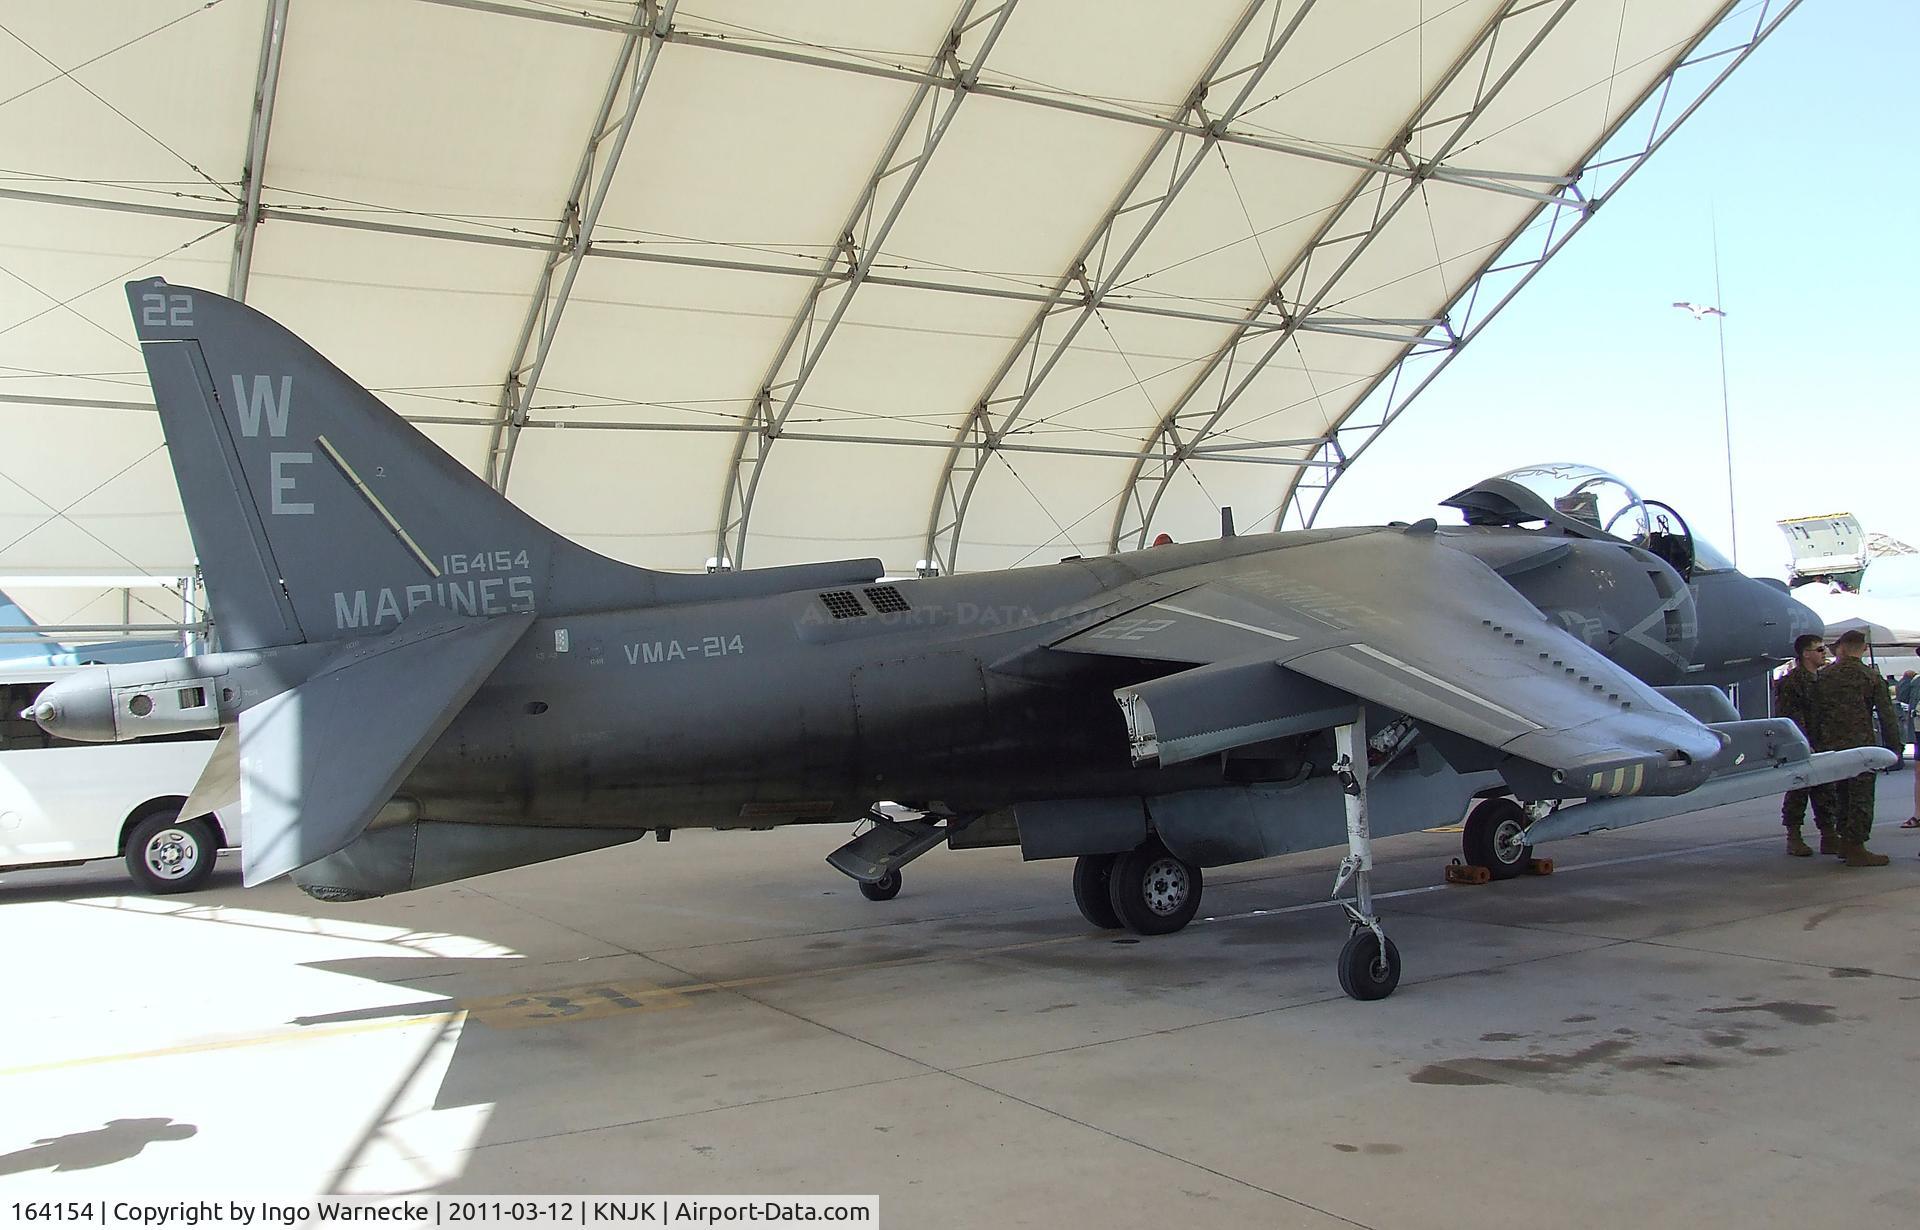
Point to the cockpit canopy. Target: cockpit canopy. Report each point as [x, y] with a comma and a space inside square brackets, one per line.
[1587, 502]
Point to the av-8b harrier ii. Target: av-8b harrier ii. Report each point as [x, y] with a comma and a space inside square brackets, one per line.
[417, 682]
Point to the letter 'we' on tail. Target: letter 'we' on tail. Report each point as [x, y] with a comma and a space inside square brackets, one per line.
[316, 511]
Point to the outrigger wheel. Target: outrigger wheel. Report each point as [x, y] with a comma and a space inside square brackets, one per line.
[1495, 837]
[886, 888]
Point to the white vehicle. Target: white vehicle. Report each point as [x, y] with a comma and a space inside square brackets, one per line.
[64, 803]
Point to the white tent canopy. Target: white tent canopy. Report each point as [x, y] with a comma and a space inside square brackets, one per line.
[960, 285]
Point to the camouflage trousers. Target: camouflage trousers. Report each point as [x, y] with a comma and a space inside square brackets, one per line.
[1853, 807]
[1793, 808]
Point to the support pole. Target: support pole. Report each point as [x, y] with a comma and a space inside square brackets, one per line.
[259, 128]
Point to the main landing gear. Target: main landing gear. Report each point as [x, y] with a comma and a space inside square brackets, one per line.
[1152, 891]
[1495, 837]
[1148, 890]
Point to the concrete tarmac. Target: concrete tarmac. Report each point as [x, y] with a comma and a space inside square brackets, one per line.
[1681, 1027]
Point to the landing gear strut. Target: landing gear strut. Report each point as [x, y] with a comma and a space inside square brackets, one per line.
[1369, 963]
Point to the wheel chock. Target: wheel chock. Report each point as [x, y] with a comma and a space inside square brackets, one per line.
[1465, 873]
[1539, 866]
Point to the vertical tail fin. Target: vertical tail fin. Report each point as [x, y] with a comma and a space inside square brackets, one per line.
[316, 511]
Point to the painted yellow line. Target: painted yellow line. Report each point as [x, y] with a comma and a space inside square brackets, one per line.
[230, 1044]
[583, 1003]
[519, 1010]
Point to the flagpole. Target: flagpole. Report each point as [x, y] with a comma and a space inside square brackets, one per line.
[1726, 403]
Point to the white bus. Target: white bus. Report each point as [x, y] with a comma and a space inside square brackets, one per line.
[63, 803]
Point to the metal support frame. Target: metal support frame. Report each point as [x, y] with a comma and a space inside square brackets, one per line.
[1326, 323]
[1347, 234]
[192, 640]
[858, 243]
[1327, 456]
[634, 68]
[1228, 452]
[1509, 271]
[119, 629]
[1331, 324]
[266, 86]
[1080, 290]
[834, 60]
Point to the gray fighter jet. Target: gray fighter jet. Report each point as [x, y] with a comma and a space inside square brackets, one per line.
[419, 683]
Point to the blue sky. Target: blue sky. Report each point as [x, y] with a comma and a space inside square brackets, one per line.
[1804, 160]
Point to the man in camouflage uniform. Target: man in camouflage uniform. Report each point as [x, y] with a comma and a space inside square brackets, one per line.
[1793, 698]
[1847, 696]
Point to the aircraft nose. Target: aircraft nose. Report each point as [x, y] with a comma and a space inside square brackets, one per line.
[1804, 619]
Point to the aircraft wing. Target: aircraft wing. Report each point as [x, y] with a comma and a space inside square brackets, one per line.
[319, 761]
[1399, 619]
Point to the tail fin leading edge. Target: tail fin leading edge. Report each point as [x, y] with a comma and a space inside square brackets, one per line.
[316, 511]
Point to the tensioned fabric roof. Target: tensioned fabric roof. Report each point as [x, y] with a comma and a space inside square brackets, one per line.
[942, 281]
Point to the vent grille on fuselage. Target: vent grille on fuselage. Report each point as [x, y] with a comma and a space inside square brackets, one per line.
[887, 600]
[841, 604]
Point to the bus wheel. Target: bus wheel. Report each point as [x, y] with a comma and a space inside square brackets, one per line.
[166, 854]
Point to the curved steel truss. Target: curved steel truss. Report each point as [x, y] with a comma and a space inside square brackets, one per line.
[955, 65]
[1688, 81]
[573, 236]
[1343, 127]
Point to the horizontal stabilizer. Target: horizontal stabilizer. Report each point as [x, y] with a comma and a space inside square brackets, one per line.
[318, 762]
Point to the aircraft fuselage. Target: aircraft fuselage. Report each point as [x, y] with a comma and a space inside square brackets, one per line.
[773, 709]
